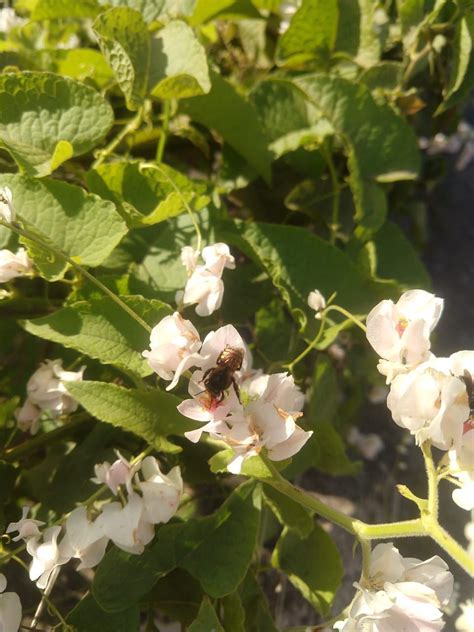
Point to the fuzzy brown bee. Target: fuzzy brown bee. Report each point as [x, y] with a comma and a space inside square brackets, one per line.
[221, 377]
[467, 379]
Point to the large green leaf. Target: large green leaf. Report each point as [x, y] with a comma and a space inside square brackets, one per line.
[380, 145]
[102, 330]
[83, 64]
[461, 79]
[79, 224]
[204, 11]
[178, 63]
[150, 194]
[207, 619]
[312, 31]
[60, 9]
[312, 564]
[150, 9]
[151, 415]
[124, 40]
[257, 612]
[235, 119]
[298, 261]
[88, 616]
[216, 550]
[46, 119]
[288, 512]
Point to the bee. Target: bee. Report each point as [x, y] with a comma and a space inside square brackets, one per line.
[219, 378]
[467, 379]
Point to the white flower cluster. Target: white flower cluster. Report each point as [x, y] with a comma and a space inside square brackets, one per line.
[205, 287]
[461, 142]
[428, 395]
[149, 497]
[46, 391]
[399, 594]
[10, 608]
[262, 415]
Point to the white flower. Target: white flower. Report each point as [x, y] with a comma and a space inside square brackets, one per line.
[8, 20]
[161, 493]
[46, 556]
[263, 425]
[400, 333]
[317, 302]
[399, 594]
[27, 527]
[84, 539]
[121, 472]
[28, 417]
[174, 343]
[431, 403]
[369, 445]
[125, 526]
[10, 609]
[461, 466]
[14, 265]
[218, 257]
[465, 623]
[47, 390]
[469, 533]
[204, 287]
[7, 212]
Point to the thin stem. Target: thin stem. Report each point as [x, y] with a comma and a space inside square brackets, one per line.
[131, 127]
[348, 315]
[49, 248]
[164, 130]
[34, 444]
[383, 531]
[366, 552]
[183, 199]
[45, 597]
[311, 345]
[449, 544]
[432, 480]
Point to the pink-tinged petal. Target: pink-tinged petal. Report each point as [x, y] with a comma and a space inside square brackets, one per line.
[291, 446]
[194, 359]
[193, 409]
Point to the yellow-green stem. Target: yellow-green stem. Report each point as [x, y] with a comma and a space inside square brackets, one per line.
[164, 130]
[432, 480]
[131, 127]
[311, 346]
[348, 315]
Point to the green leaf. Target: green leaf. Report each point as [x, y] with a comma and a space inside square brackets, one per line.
[216, 550]
[178, 595]
[312, 564]
[77, 223]
[233, 616]
[38, 110]
[60, 9]
[150, 10]
[332, 453]
[257, 612]
[205, 11]
[148, 191]
[297, 261]
[411, 14]
[312, 32]
[82, 64]
[87, 616]
[234, 118]
[207, 620]
[151, 415]
[461, 79]
[396, 258]
[288, 512]
[178, 64]
[100, 329]
[380, 145]
[125, 43]
[370, 34]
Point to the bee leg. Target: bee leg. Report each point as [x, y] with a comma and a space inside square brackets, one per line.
[206, 373]
[236, 389]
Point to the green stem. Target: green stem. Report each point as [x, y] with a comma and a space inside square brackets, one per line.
[366, 552]
[432, 480]
[449, 544]
[131, 127]
[58, 253]
[311, 346]
[32, 445]
[183, 199]
[348, 315]
[164, 130]
[384, 531]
